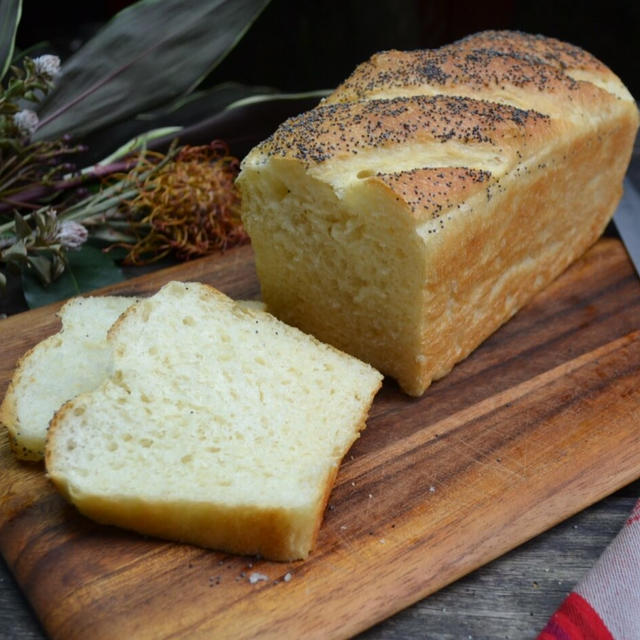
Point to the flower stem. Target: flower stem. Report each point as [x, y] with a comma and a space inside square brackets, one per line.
[108, 197]
[41, 190]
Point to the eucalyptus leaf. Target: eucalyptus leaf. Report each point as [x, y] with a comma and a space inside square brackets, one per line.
[23, 230]
[213, 99]
[243, 125]
[139, 142]
[32, 51]
[88, 268]
[179, 113]
[17, 252]
[10, 14]
[42, 268]
[148, 54]
[258, 98]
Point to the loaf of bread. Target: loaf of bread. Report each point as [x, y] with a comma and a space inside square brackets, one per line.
[220, 426]
[75, 359]
[433, 193]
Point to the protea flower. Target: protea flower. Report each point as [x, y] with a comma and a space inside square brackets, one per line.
[190, 207]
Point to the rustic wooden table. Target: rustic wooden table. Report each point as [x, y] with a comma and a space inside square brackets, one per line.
[510, 598]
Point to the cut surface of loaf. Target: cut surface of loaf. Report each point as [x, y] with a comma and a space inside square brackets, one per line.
[433, 193]
[75, 359]
[220, 426]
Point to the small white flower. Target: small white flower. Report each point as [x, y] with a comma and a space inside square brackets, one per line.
[26, 120]
[47, 65]
[71, 234]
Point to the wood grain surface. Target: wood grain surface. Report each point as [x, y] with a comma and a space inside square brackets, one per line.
[510, 598]
[540, 422]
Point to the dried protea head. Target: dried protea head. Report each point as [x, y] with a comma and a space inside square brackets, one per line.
[190, 207]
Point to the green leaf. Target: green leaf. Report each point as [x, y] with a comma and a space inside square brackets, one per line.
[200, 103]
[148, 54]
[272, 97]
[87, 269]
[16, 253]
[182, 112]
[243, 124]
[23, 230]
[139, 142]
[32, 51]
[42, 267]
[10, 13]
[42, 220]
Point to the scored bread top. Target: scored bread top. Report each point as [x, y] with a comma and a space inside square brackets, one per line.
[519, 67]
[353, 128]
[533, 47]
[474, 110]
[403, 139]
[576, 62]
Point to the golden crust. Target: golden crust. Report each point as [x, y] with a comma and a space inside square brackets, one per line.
[430, 192]
[451, 68]
[501, 93]
[9, 418]
[513, 72]
[349, 132]
[534, 47]
[333, 131]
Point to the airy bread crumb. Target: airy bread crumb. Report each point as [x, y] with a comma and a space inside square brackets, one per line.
[75, 359]
[220, 426]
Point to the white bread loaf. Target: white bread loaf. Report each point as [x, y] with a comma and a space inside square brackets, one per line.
[220, 426]
[75, 359]
[433, 193]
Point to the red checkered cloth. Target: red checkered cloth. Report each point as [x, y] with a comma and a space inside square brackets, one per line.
[606, 604]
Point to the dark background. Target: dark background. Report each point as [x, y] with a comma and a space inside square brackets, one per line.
[297, 45]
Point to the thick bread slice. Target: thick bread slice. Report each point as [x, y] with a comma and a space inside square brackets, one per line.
[424, 202]
[220, 426]
[74, 360]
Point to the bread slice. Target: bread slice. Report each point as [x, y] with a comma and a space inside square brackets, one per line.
[220, 426]
[69, 362]
[428, 198]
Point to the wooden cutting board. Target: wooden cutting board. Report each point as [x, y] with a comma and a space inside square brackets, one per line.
[541, 421]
